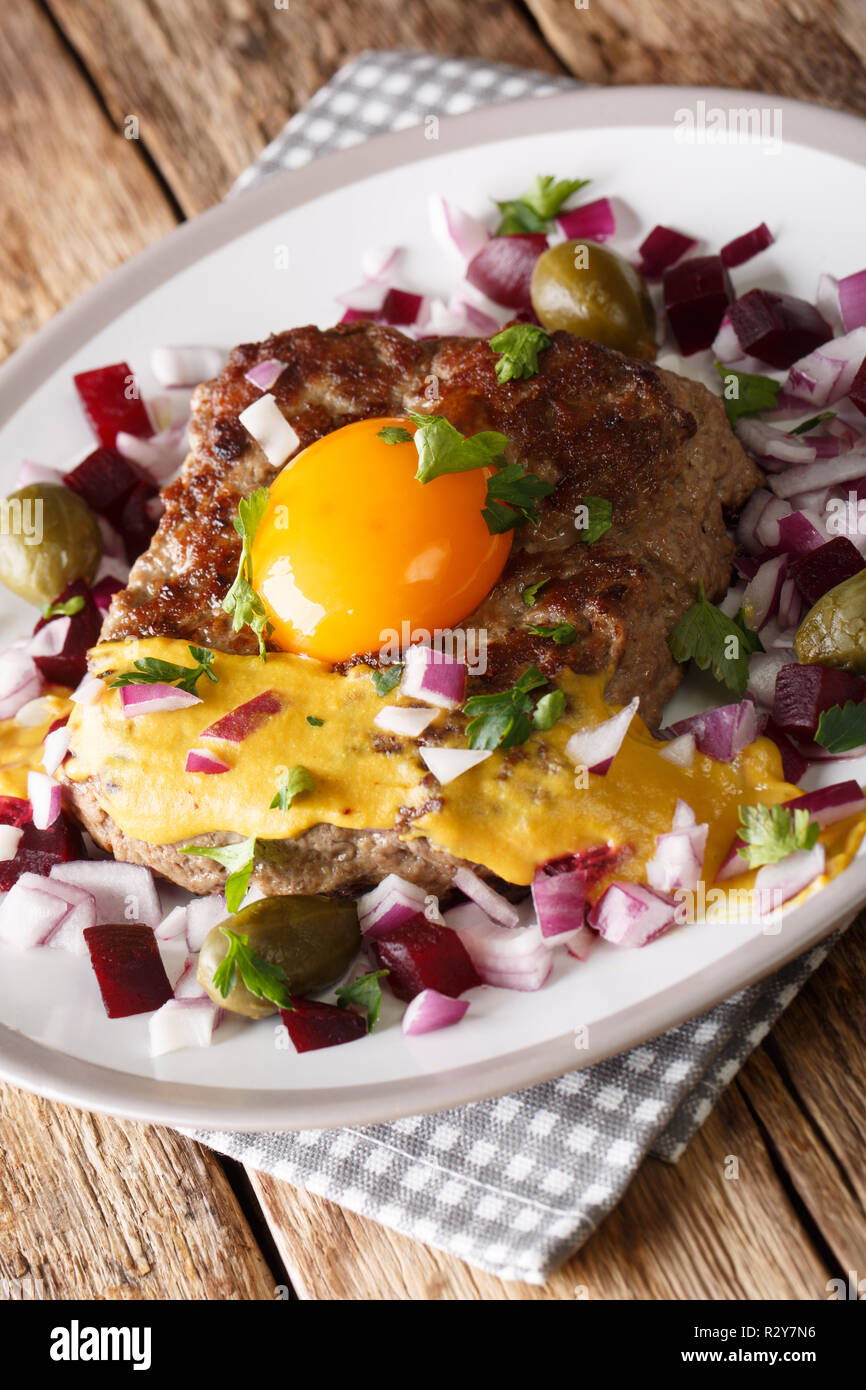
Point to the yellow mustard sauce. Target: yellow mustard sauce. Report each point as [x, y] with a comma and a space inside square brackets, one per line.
[511, 812]
[21, 744]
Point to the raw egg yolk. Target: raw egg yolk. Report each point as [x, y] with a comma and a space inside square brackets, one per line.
[351, 546]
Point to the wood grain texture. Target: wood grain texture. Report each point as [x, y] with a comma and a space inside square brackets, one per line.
[213, 83]
[96, 1208]
[680, 1232]
[77, 197]
[815, 52]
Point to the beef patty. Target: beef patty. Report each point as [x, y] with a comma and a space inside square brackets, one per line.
[591, 421]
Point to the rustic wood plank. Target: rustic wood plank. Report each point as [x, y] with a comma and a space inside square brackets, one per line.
[680, 1232]
[813, 52]
[211, 84]
[78, 198]
[97, 1208]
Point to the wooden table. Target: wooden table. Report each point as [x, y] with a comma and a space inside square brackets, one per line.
[97, 1208]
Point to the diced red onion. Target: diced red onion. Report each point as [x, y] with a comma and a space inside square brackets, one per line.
[365, 299]
[44, 795]
[684, 817]
[465, 915]
[491, 902]
[88, 691]
[560, 901]
[806, 477]
[765, 441]
[28, 916]
[161, 455]
[628, 914]
[186, 366]
[81, 914]
[401, 308]
[581, 943]
[202, 914]
[661, 249]
[776, 883]
[790, 605]
[798, 534]
[744, 247]
[154, 699]
[515, 958]
[825, 375]
[761, 599]
[244, 719]
[20, 682]
[592, 222]
[456, 230]
[749, 518]
[595, 748]
[172, 926]
[31, 472]
[852, 301]
[767, 530]
[266, 374]
[764, 667]
[680, 751]
[478, 322]
[503, 268]
[34, 713]
[722, 733]
[378, 261]
[201, 760]
[391, 903]
[448, 763]
[678, 859]
[10, 835]
[182, 1023]
[123, 892]
[188, 986]
[410, 723]
[430, 1010]
[827, 303]
[50, 639]
[270, 429]
[433, 676]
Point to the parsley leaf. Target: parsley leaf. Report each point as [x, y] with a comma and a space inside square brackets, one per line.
[365, 993]
[772, 832]
[386, 680]
[842, 727]
[149, 670]
[505, 719]
[518, 347]
[443, 449]
[516, 218]
[530, 593]
[395, 434]
[746, 394]
[242, 601]
[315, 721]
[815, 420]
[549, 708]
[599, 512]
[710, 638]
[238, 859]
[264, 980]
[539, 204]
[561, 633]
[519, 490]
[298, 779]
[67, 609]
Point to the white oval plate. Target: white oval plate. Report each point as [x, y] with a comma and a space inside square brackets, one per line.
[217, 280]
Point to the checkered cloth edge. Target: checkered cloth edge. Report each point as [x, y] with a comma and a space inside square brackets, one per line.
[512, 1185]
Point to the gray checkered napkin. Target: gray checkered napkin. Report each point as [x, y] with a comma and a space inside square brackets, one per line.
[513, 1185]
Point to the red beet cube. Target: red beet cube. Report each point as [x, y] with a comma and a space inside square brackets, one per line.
[39, 850]
[660, 249]
[597, 863]
[423, 955]
[858, 388]
[137, 521]
[793, 763]
[312, 1025]
[14, 810]
[824, 568]
[400, 307]
[777, 328]
[69, 666]
[112, 403]
[105, 479]
[803, 693]
[697, 293]
[128, 968]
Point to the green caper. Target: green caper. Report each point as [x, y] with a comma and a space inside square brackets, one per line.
[313, 939]
[48, 538]
[593, 293]
[833, 632]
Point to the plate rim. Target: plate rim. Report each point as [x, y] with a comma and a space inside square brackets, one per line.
[57, 1075]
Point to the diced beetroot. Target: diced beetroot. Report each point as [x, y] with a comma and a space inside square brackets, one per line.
[777, 328]
[39, 850]
[312, 1025]
[105, 480]
[112, 403]
[58, 724]
[424, 955]
[400, 307]
[803, 693]
[857, 393]
[128, 968]
[14, 810]
[69, 666]
[660, 249]
[597, 863]
[235, 726]
[503, 268]
[824, 568]
[137, 521]
[744, 247]
[793, 763]
[103, 591]
[697, 293]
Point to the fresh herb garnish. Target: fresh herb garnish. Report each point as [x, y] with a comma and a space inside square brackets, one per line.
[67, 609]
[540, 203]
[292, 782]
[238, 859]
[772, 832]
[842, 727]
[599, 512]
[530, 593]
[385, 681]
[315, 721]
[561, 633]
[518, 347]
[264, 980]
[506, 719]
[395, 434]
[364, 993]
[149, 670]
[749, 395]
[710, 638]
[443, 449]
[815, 420]
[549, 708]
[511, 497]
[242, 601]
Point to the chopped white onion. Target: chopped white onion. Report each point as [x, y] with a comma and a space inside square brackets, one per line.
[270, 429]
[186, 366]
[56, 746]
[10, 837]
[44, 795]
[123, 892]
[183, 1023]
